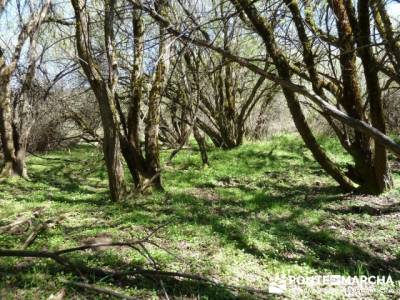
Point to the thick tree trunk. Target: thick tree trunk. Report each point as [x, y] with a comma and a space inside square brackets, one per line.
[104, 92]
[131, 147]
[111, 150]
[201, 142]
[11, 167]
[381, 167]
[363, 172]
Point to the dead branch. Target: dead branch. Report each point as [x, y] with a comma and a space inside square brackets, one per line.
[22, 221]
[99, 289]
[39, 229]
[83, 269]
[149, 183]
[138, 245]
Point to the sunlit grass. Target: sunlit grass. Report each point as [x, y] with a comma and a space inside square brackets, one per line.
[260, 210]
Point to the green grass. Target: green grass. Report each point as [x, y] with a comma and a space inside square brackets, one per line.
[258, 211]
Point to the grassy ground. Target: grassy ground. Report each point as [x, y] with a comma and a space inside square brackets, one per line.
[258, 211]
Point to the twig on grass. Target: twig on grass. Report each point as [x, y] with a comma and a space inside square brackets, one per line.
[99, 289]
[34, 234]
[139, 245]
[14, 226]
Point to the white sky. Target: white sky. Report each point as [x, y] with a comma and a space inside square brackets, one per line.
[394, 10]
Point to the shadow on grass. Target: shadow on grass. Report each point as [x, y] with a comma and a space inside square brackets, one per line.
[18, 277]
[276, 209]
[71, 178]
[324, 251]
[367, 209]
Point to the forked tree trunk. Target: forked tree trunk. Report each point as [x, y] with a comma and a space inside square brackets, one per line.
[371, 180]
[145, 169]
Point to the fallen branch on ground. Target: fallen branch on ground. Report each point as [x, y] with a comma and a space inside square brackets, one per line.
[22, 221]
[99, 289]
[82, 270]
[98, 272]
[39, 229]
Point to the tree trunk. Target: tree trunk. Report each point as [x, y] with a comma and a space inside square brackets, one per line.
[10, 168]
[201, 141]
[363, 172]
[111, 150]
[381, 167]
[105, 95]
[153, 115]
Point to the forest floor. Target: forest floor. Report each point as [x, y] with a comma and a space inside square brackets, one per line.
[259, 211]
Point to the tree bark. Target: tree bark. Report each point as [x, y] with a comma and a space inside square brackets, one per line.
[381, 167]
[363, 172]
[201, 142]
[105, 95]
[10, 162]
[152, 148]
